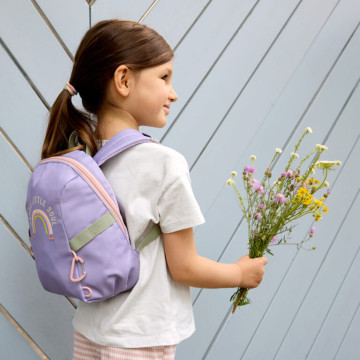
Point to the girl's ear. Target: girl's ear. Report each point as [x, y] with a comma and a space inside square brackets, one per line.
[121, 80]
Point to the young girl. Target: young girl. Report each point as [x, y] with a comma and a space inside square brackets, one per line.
[122, 71]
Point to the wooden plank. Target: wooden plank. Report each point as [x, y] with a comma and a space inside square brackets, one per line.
[46, 317]
[12, 344]
[199, 50]
[35, 47]
[333, 265]
[172, 18]
[118, 9]
[68, 18]
[342, 310]
[24, 124]
[13, 189]
[350, 345]
[321, 110]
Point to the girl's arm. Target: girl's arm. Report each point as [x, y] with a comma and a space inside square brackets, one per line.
[189, 268]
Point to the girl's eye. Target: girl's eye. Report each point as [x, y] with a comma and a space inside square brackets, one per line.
[164, 77]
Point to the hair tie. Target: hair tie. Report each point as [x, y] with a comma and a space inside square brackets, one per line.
[71, 90]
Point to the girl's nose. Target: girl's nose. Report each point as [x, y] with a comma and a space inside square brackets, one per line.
[173, 95]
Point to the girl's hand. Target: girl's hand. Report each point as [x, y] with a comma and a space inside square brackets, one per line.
[252, 271]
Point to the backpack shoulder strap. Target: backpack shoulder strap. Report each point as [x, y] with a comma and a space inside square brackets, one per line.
[120, 142]
[150, 237]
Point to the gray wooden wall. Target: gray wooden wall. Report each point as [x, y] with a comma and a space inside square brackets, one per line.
[251, 75]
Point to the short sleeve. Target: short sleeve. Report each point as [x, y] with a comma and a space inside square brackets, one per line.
[177, 207]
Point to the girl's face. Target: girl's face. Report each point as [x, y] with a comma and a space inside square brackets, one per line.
[151, 95]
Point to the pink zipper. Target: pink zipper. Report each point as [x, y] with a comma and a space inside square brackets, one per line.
[94, 183]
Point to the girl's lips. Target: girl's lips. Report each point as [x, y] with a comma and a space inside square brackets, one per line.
[167, 109]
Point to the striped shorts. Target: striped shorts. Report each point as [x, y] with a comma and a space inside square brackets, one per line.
[84, 349]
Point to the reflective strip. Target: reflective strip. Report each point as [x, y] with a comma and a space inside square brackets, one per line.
[92, 231]
[153, 234]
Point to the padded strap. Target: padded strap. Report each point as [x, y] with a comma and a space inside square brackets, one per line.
[151, 236]
[120, 142]
[92, 231]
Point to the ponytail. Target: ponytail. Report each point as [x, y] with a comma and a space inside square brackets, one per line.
[64, 118]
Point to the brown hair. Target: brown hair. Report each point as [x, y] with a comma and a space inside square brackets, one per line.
[104, 47]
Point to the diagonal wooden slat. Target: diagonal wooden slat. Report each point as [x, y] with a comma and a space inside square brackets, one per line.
[148, 11]
[51, 27]
[23, 333]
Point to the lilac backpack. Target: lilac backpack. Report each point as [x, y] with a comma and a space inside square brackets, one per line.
[78, 237]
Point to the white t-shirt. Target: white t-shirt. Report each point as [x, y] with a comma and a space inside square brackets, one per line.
[152, 185]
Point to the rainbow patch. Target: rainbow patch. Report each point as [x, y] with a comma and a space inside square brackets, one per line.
[40, 214]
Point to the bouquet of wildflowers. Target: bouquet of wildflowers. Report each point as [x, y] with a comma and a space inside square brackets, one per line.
[271, 208]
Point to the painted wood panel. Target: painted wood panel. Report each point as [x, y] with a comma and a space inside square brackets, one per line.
[11, 342]
[25, 124]
[173, 19]
[119, 9]
[250, 75]
[347, 349]
[68, 18]
[34, 46]
[13, 189]
[330, 336]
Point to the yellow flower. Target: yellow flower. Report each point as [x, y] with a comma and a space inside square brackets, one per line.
[312, 181]
[317, 216]
[303, 191]
[307, 201]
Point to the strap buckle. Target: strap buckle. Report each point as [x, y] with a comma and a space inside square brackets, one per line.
[76, 258]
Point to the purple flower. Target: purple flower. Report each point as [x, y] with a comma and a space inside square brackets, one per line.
[274, 240]
[250, 169]
[257, 186]
[255, 183]
[289, 173]
[262, 206]
[312, 232]
[280, 199]
[257, 216]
